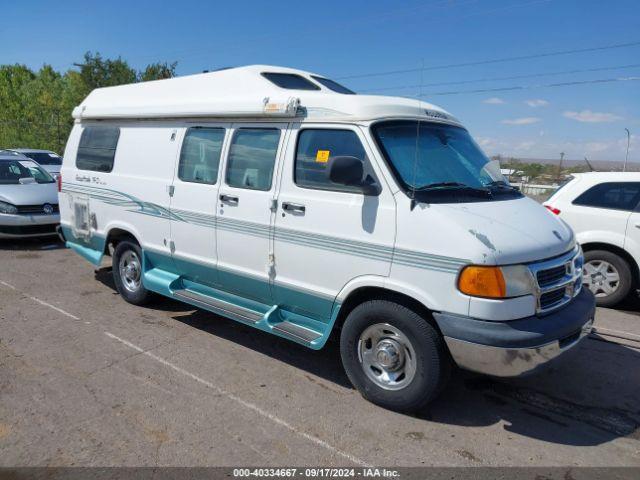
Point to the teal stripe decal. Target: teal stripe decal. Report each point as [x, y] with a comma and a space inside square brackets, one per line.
[314, 240]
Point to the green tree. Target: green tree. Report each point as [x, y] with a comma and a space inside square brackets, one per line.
[36, 106]
[158, 71]
[532, 170]
[14, 99]
[97, 72]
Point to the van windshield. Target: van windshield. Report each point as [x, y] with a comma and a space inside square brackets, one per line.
[440, 163]
[22, 171]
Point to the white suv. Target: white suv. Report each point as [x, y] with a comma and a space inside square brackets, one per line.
[603, 209]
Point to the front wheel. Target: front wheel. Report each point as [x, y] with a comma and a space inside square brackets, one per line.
[127, 273]
[393, 356]
[607, 275]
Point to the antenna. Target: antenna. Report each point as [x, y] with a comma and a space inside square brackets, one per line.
[415, 159]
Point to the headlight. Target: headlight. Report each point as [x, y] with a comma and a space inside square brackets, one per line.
[578, 261]
[496, 282]
[8, 208]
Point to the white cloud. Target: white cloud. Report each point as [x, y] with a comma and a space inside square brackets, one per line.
[525, 146]
[536, 147]
[596, 147]
[494, 101]
[536, 102]
[591, 117]
[521, 121]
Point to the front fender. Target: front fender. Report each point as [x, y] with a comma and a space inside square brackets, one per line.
[386, 283]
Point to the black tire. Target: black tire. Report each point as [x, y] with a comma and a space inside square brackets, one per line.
[624, 273]
[136, 296]
[432, 362]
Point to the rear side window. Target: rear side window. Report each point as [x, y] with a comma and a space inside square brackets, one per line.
[316, 147]
[252, 157]
[97, 148]
[331, 85]
[200, 155]
[612, 195]
[290, 81]
[45, 158]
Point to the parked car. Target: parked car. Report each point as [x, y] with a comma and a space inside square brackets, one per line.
[28, 198]
[279, 199]
[50, 161]
[603, 208]
[11, 153]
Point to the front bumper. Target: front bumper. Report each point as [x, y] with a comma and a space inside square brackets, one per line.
[518, 347]
[25, 225]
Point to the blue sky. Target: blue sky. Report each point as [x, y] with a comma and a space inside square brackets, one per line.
[341, 39]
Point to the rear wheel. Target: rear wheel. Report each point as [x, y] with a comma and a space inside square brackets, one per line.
[393, 356]
[607, 275]
[127, 273]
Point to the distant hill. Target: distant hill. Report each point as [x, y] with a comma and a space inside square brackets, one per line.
[600, 165]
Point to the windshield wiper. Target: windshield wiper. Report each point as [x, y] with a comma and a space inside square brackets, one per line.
[501, 184]
[451, 186]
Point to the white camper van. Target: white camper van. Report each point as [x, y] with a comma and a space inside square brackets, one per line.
[280, 199]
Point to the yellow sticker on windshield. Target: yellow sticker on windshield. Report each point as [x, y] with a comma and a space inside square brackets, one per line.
[322, 156]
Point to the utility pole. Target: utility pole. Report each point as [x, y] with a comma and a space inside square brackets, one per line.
[626, 158]
[591, 169]
[560, 166]
[58, 130]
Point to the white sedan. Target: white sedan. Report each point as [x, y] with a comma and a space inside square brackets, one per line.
[603, 208]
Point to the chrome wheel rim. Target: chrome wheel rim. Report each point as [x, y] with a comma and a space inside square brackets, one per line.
[387, 356]
[130, 271]
[602, 278]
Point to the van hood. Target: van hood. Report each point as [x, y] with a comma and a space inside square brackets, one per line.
[511, 231]
[29, 194]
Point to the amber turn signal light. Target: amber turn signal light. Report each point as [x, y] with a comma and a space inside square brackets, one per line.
[480, 281]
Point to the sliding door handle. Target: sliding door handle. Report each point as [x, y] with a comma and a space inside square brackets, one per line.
[293, 207]
[229, 199]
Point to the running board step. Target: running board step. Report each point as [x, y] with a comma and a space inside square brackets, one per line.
[219, 306]
[296, 332]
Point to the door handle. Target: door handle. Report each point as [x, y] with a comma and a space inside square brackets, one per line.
[229, 199]
[293, 207]
[637, 225]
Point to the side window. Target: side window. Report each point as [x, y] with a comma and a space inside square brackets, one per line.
[252, 157]
[97, 148]
[613, 195]
[200, 155]
[314, 150]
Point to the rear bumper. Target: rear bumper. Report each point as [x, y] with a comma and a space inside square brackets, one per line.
[518, 347]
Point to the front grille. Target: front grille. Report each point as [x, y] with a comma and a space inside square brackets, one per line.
[551, 275]
[35, 209]
[552, 298]
[558, 280]
[28, 229]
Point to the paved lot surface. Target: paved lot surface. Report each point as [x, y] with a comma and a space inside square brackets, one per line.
[87, 379]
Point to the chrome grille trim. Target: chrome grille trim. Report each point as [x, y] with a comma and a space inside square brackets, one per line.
[572, 261]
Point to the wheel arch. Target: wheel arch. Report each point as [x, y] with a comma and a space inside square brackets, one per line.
[116, 234]
[363, 294]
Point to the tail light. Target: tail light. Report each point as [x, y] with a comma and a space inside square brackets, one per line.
[553, 210]
[59, 182]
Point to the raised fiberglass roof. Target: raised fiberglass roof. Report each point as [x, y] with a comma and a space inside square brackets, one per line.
[247, 92]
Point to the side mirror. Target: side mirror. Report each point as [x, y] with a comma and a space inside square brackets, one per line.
[26, 180]
[346, 171]
[349, 171]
